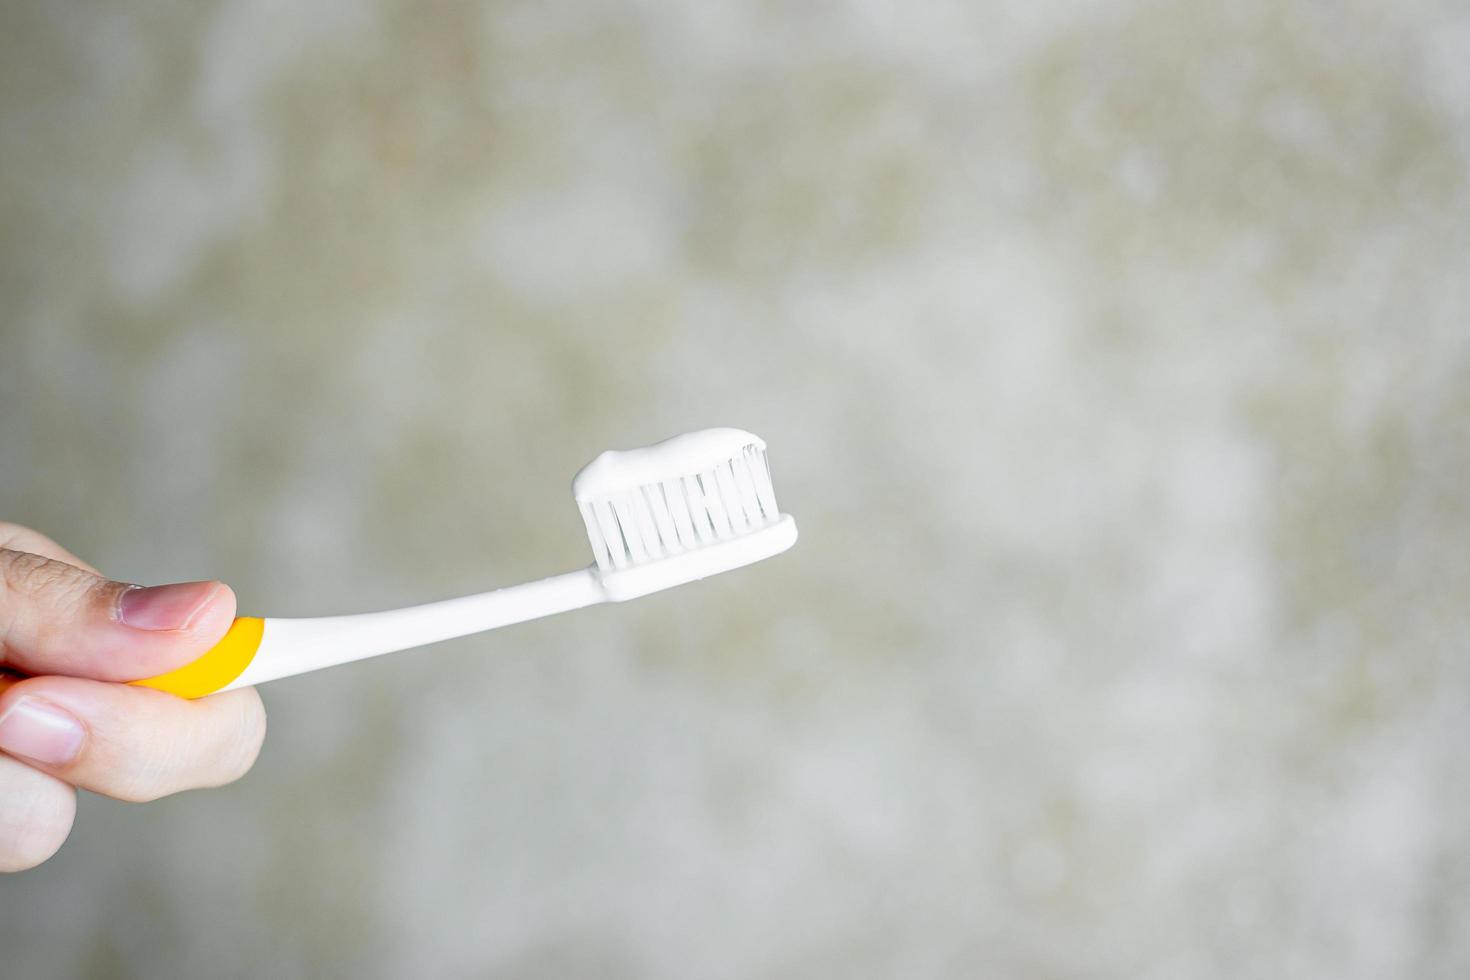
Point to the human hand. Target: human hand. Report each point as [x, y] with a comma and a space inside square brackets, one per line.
[72, 725]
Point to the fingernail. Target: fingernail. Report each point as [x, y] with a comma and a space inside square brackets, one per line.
[40, 731]
[164, 607]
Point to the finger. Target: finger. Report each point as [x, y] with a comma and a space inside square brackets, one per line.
[36, 814]
[56, 618]
[130, 743]
[14, 537]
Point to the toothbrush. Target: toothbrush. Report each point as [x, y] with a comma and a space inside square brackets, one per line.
[684, 509]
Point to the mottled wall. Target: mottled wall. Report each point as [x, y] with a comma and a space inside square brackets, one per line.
[1114, 358]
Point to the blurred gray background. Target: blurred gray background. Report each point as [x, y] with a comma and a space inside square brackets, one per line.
[1114, 358]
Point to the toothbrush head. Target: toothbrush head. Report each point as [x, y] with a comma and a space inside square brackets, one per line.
[684, 509]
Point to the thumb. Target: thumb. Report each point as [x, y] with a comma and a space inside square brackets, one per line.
[56, 618]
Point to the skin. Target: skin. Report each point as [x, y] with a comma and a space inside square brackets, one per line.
[68, 637]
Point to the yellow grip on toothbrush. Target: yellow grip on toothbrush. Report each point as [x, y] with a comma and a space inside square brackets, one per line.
[224, 662]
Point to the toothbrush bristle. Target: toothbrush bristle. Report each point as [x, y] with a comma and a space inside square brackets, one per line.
[682, 512]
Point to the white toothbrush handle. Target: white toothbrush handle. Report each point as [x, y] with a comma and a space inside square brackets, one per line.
[273, 648]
